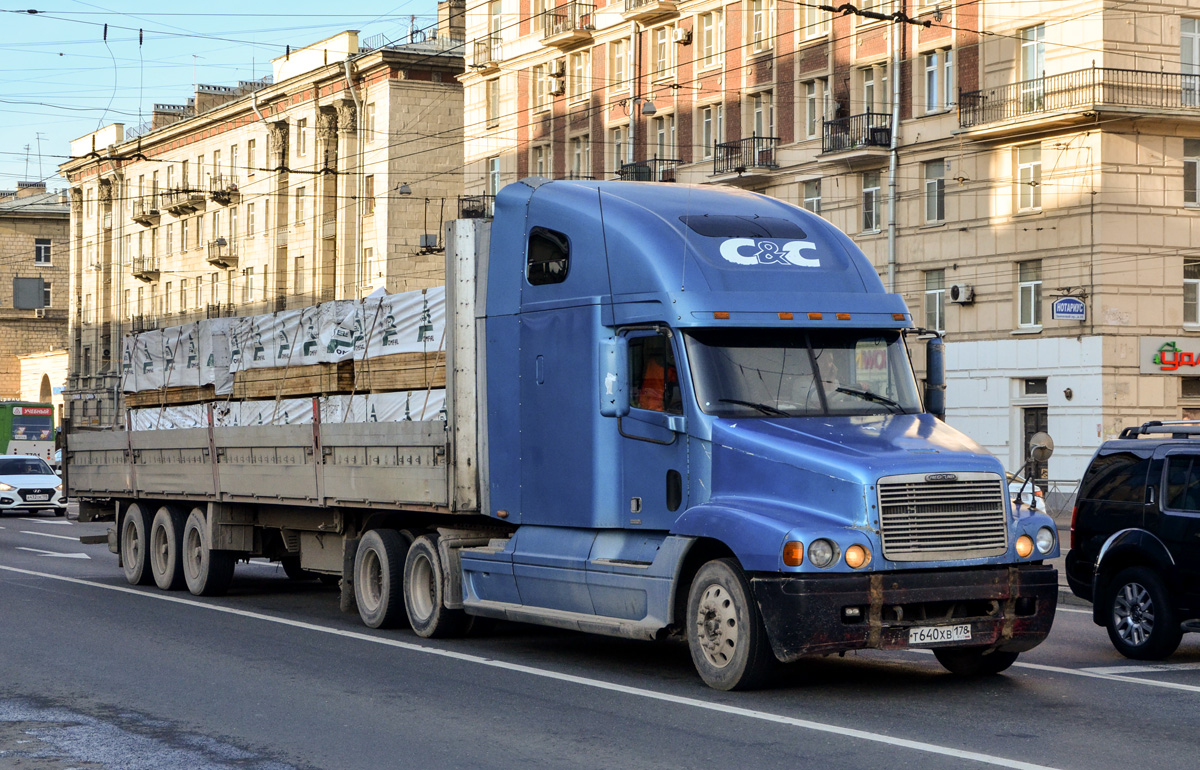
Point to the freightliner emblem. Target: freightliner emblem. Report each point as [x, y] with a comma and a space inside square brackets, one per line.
[941, 477]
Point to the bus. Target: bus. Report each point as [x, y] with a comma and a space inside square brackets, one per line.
[27, 429]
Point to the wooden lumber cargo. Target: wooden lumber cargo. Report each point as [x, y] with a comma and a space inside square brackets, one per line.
[400, 371]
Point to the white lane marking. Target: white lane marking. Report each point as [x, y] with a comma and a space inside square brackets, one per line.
[599, 684]
[55, 553]
[59, 522]
[1144, 668]
[1084, 672]
[1076, 610]
[48, 534]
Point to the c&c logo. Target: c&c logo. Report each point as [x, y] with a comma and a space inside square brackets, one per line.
[748, 251]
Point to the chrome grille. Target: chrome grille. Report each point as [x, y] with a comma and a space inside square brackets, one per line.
[933, 520]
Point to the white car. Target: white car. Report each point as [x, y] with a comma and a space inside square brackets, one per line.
[28, 484]
[1031, 495]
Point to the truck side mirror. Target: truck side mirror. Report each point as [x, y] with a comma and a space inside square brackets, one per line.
[614, 377]
[1041, 446]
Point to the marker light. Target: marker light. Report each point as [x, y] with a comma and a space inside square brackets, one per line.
[823, 553]
[793, 553]
[721, 315]
[814, 316]
[785, 316]
[897, 316]
[843, 316]
[1045, 540]
[857, 556]
[1024, 546]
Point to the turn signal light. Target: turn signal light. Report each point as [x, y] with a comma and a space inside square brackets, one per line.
[721, 315]
[857, 556]
[814, 316]
[1024, 546]
[897, 316]
[843, 316]
[785, 316]
[793, 553]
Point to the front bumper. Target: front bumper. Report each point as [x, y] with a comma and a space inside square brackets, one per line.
[1008, 608]
[26, 500]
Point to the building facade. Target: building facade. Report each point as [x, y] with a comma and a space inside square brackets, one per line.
[34, 224]
[328, 180]
[1027, 181]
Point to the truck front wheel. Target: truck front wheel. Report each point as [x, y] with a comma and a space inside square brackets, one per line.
[166, 537]
[974, 661]
[424, 581]
[206, 572]
[378, 576]
[725, 631]
[134, 550]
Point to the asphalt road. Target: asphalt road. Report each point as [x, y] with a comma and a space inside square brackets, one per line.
[97, 674]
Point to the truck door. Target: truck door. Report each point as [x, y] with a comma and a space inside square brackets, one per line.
[653, 434]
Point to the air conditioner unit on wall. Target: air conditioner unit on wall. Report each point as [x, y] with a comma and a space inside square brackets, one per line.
[558, 68]
[556, 86]
[682, 36]
[962, 293]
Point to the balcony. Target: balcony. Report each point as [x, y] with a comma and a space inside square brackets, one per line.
[145, 212]
[182, 200]
[1075, 97]
[476, 206]
[652, 170]
[486, 55]
[744, 161]
[863, 137]
[145, 269]
[222, 188]
[568, 25]
[648, 11]
[222, 254]
[142, 323]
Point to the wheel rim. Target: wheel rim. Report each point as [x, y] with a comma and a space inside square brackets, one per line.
[1133, 611]
[717, 625]
[372, 580]
[159, 548]
[193, 551]
[133, 544]
[422, 589]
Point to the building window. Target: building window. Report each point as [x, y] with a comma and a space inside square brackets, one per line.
[87, 308]
[1029, 293]
[1029, 178]
[812, 195]
[762, 24]
[1189, 59]
[233, 160]
[935, 191]
[251, 156]
[664, 52]
[166, 298]
[369, 121]
[248, 285]
[1191, 171]
[216, 224]
[493, 175]
[233, 224]
[249, 219]
[618, 146]
[492, 87]
[664, 136]
[301, 137]
[214, 289]
[618, 65]
[300, 205]
[581, 157]
[815, 94]
[762, 113]
[1033, 67]
[300, 279]
[816, 21]
[935, 300]
[712, 128]
[870, 202]
[577, 75]
[199, 294]
[46, 294]
[183, 290]
[369, 195]
[1191, 291]
[541, 88]
[170, 232]
[539, 160]
[41, 251]
[712, 38]
[939, 80]
[184, 228]
[540, 8]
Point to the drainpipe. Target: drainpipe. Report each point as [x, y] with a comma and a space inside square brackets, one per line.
[634, 88]
[358, 182]
[893, 159]
[254, 105]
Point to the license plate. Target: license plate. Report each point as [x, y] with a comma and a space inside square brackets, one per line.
[939, 634]
[38, 498]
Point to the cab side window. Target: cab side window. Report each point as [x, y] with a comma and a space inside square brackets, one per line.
[1183, 483]
[655, 383]
[548, 257]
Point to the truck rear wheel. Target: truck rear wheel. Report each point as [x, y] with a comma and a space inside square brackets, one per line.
[166, 538]
[134, 529]
[206, 572]
[378, 578]
[725, 632]
[424, 582]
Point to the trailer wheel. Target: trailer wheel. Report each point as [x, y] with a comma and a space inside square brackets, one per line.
[206, 572]
[424, 579]
[725, 632]
[134, 548]
[378, 576]
[166, 540]
[974, 661]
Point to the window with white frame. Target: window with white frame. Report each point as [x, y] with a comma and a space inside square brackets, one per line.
[46, 296]
[1029, 293]
[249, 219]
[199, 292]
[712, 128]
[540, 7]
[233, 161]
[762, 113]
[815, 94]
[183, 294]
[870, 201]
[301, 137]
[762, 24]
[1029, 177]
[301, 198]
[664, 136]
[581, 156]
[41, 251]
[369, 121]
[812, 196]
[492, 89]
[1033, 67]
[1191, 172]
[935, 191]
[617, 146]
[299, 275]
[170, 238]
[579, 65]
[214, 289]
[541, 88]
[248, 285]
[1191, 291]
[539, 160]
[618, 65]
[935, 300]
[184, 229]
[492, 166]
[369, 195]
[1189, 60]
[712, 38]
[867, 74]
[664, 52]
[939, 80]
[816, 21]
[251, 156]
[233, 223]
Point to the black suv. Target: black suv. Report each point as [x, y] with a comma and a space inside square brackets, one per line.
[1135, 537]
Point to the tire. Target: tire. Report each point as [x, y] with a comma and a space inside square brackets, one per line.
[292, 568]
[60, 511]
[725, 631]
[166, 542]
[134, 546]
[1142, 622]
[974, 661]
[424, 601]
[206, 572]
[378, 578]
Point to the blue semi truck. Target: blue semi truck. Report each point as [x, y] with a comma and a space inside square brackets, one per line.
[671, 410]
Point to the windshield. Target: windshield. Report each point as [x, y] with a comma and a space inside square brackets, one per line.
[801, 373]
[24, 466]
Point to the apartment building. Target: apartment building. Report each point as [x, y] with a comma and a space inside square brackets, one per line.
[34, 224]
[329, 179]
[1027, 179]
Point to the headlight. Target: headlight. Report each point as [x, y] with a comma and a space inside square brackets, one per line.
[59, 487]
[1024, 546]
[1045, 540]
[822, 553]
[857, 556]
[6, 487]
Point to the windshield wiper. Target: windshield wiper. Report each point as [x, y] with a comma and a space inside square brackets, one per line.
[867, 395]
[765, 409]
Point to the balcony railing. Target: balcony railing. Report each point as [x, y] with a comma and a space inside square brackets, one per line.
[741, 154]
[222, 187]
[652, 170]
[1080, 90]
[145, 268]
[486, 52]
[639, 10]
[222, 254]
[869, 129]
[142, 323]
[476, 206]
[145, 209]
[568, 23]
[182, 200]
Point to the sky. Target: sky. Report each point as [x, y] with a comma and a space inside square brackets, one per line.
[75, 66]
